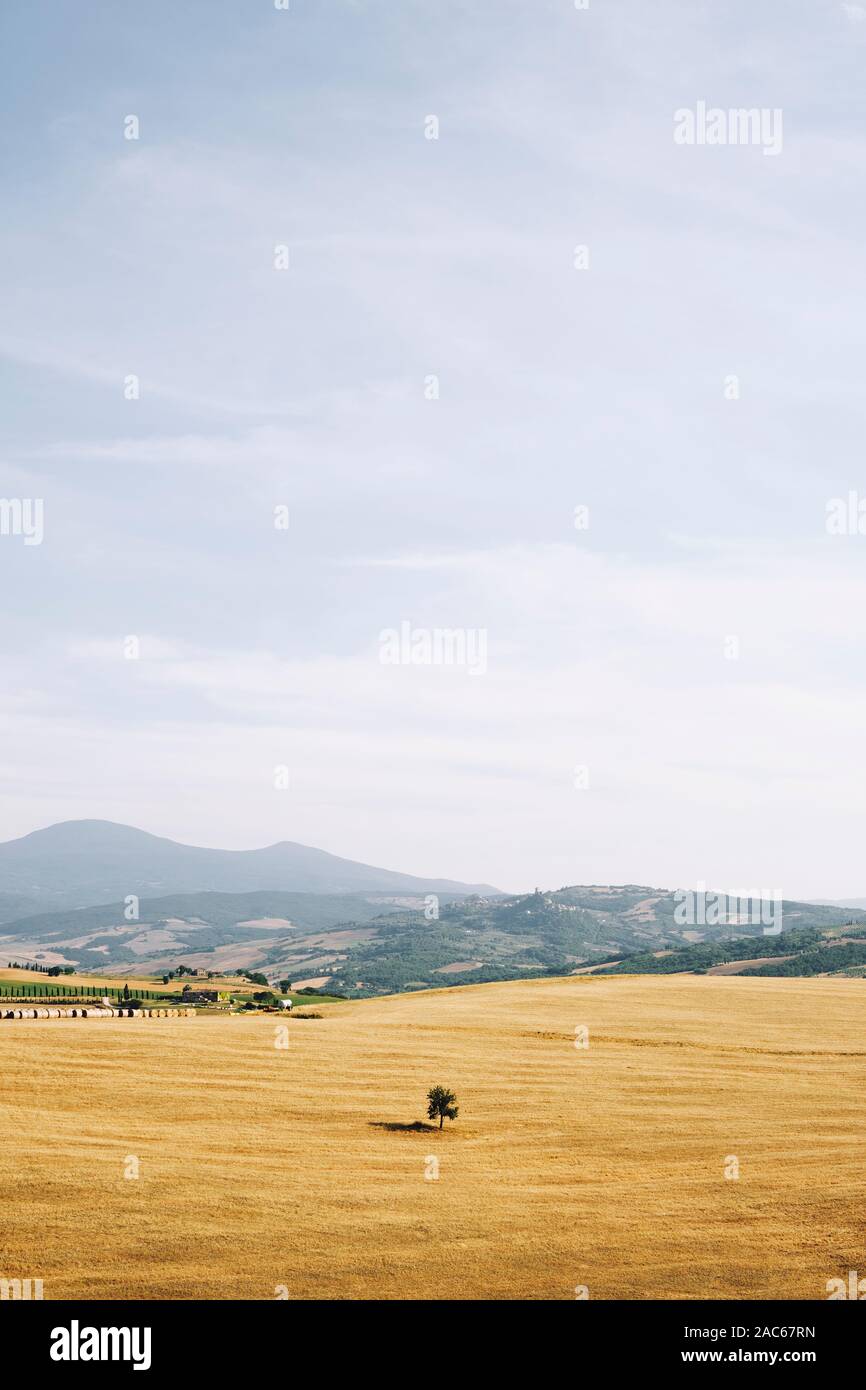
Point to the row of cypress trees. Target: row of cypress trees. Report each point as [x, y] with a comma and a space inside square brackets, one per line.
[14, 990]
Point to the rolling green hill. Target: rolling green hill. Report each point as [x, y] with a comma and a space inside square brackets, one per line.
[181, 925]
[805, 951]
[366, 944]
[478, 940]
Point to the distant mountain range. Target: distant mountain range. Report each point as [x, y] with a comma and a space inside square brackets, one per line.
[385, 942]
[85, 862]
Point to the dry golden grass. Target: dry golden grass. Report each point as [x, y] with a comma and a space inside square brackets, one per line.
[263, 1167]
[35, 977]
[235, 983]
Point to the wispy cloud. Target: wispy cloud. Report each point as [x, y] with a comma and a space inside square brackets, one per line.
[429, 391]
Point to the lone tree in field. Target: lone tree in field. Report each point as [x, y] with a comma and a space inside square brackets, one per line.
[441, 1102]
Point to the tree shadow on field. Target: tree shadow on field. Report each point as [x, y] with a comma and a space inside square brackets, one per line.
[416, 1127]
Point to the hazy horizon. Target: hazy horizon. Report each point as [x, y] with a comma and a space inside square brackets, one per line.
[431, 870]
[243, 308]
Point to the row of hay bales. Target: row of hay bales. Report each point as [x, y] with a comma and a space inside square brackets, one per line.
[96, 1011]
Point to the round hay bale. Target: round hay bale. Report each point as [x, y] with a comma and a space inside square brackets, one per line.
[41, 1013]
[53, 1013]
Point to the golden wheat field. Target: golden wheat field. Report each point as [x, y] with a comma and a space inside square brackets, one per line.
[602, 1167]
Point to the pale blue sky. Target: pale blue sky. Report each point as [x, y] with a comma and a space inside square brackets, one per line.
[558, 387]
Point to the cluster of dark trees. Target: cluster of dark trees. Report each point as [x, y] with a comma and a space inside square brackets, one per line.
[42, 969]
[701, 957]
[845, 957]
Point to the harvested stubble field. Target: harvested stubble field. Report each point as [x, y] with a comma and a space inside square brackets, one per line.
[604, 1167]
